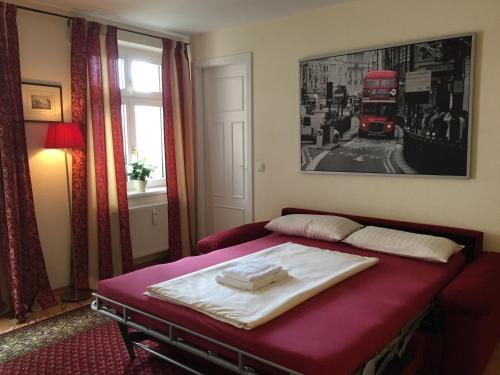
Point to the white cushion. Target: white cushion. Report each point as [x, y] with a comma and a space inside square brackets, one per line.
[319, 227]
[413, 245]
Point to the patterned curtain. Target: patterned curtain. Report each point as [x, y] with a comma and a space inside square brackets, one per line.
[102, 164]
[4, 299]
[20, 247]
[174, 227]
[104, 155]
[179, 159]
[80, 270]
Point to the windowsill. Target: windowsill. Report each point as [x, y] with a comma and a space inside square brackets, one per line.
[150, 192]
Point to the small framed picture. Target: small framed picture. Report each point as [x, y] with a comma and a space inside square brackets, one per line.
[42, 102]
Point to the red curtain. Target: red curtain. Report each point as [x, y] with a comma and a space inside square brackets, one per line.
[80, 268]
[94, 67]
[181, 62]
[3, 306]
[20, 246]
[179, 152]
[86, 61]
[174, 222]
[118, 152]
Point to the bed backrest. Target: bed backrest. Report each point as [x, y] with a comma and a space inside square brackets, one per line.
[472, 239]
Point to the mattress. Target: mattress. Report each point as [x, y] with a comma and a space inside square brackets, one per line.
[334, 332]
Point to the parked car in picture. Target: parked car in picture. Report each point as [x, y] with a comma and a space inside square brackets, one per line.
[311, 128]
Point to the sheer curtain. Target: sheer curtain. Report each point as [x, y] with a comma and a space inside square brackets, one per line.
[118, 153]
[20, 247]
[100, 177]
[179, 153]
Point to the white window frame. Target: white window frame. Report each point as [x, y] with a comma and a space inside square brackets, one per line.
[130, 97]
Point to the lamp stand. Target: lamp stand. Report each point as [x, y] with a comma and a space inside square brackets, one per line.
[75, 295]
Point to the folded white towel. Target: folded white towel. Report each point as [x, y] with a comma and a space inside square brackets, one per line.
[252, 285]
[251, 271]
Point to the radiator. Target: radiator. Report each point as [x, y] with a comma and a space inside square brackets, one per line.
[148, 229]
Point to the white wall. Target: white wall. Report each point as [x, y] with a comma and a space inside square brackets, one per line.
[45, 56]
[278, 44]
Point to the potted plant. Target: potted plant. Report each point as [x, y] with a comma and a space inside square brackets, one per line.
[139, 172]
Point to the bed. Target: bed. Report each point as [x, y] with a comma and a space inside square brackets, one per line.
[347, 329]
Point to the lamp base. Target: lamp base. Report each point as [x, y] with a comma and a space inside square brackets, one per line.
[76, 295]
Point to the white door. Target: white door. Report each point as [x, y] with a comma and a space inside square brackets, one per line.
[227, 166]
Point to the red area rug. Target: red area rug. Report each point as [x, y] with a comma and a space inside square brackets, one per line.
[89, 350]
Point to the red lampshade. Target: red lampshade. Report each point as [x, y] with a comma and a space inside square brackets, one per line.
[64, 135]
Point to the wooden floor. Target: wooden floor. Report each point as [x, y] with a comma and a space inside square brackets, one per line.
[33, 317]
[7, 324]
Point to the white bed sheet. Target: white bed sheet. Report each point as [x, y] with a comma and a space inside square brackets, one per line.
[311, 270]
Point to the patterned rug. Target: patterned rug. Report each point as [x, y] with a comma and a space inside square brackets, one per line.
[79, 342]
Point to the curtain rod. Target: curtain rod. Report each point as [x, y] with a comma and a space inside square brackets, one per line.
[71, 18]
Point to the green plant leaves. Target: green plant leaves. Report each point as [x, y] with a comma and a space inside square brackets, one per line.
[140, 170]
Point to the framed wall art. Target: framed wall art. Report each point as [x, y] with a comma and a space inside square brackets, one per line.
[42, 102]
[395, 110]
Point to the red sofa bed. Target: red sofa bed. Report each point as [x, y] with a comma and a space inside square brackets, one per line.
[339, 330]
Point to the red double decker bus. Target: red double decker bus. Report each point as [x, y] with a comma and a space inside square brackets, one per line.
[378, 104]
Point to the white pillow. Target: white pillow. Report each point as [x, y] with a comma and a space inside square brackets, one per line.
[318, 227]
[413, 245]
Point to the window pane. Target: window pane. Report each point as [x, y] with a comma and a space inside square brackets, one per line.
[121, 73]
[125, 132]
[149, 137]
[145, 76]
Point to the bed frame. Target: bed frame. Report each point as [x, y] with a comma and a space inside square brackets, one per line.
[143, 332]
[397, 347]
[126, 316]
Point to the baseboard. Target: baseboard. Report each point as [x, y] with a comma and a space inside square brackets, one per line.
[61, 290]
[150, 260]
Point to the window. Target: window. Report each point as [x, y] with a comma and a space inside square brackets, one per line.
[388, 82]
[384, 82]
[372, 83]
[379, 109]
[142, 111]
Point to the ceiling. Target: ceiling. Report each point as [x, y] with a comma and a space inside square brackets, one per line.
[185, 16]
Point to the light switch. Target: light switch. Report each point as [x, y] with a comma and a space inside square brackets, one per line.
[261, 167]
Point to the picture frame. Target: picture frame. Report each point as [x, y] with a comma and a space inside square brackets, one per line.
[394, 110]
[42, 102]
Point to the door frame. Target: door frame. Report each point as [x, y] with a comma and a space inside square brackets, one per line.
[198, 68]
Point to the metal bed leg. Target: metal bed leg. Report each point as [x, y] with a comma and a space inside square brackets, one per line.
[141, 333]
[127, 340]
